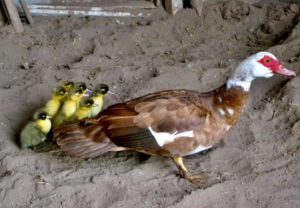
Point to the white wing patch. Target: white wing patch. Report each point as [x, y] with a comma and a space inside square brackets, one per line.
[163, 137]
[220, 99]
[198, 149]
[230, 111]
[221, 111]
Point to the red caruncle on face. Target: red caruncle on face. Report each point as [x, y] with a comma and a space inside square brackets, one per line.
[275, 66]
[270, 63]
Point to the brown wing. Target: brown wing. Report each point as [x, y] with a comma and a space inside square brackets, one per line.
[126, 125]
[83, 139]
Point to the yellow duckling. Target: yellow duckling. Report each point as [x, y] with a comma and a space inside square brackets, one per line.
[84, 110]
[53, 105]
[35, 132]
[69, 106]
[100, 91]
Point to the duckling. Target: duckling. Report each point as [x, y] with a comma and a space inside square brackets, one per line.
[53, 105]
[36, 130]
[68, 85]
[69, 106]
[84, 110]
[100, 91]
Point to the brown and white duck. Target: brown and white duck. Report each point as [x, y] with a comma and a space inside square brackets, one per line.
[171, 123]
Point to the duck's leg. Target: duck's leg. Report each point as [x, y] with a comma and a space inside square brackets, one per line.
[183, 172]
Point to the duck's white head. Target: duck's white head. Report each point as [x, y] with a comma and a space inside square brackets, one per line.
[261, 64]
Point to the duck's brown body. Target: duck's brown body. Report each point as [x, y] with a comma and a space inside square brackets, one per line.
[126, 126]
[170, 123]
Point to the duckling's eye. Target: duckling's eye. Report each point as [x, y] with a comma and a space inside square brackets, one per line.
[82, 87]
[43, 116]
[62, 92]
[104, 90]
[89, 102]
[78, 92]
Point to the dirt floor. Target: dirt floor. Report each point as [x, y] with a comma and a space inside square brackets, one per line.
[258, 163]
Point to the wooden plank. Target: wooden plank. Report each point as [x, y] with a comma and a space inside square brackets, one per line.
[87, 11]
[26, 11]
[113, 5]
[157, 2]
[173, 6]
[198, 6]
[14, 15]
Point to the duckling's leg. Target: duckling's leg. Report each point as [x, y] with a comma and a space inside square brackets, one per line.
[183, 172]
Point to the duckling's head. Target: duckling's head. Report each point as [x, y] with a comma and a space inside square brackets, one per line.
[86, 103]
[59, 92]
[68, 85]
[42, 120]
[83, 87]
[101, 90]
[76, 93]
[40, 115]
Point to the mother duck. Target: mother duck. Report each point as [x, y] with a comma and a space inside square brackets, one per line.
[171, 123]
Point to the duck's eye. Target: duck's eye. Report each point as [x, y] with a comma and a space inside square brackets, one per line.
[268, 61]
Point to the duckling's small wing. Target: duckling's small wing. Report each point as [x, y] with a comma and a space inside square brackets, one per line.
[31, 136]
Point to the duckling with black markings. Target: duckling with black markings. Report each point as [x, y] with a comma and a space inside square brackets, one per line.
[53, 105]
[85, 108]
[100, 91]
[35, 132]
[69, 106]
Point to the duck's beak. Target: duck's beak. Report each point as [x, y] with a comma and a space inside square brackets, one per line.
[284, 71]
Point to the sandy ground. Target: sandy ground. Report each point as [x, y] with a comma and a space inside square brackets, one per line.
[257, 165]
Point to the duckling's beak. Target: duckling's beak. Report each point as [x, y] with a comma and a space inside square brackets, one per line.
[111, 93]
[95, 105]
[87, 92]
[114, 95]
[48, 117]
